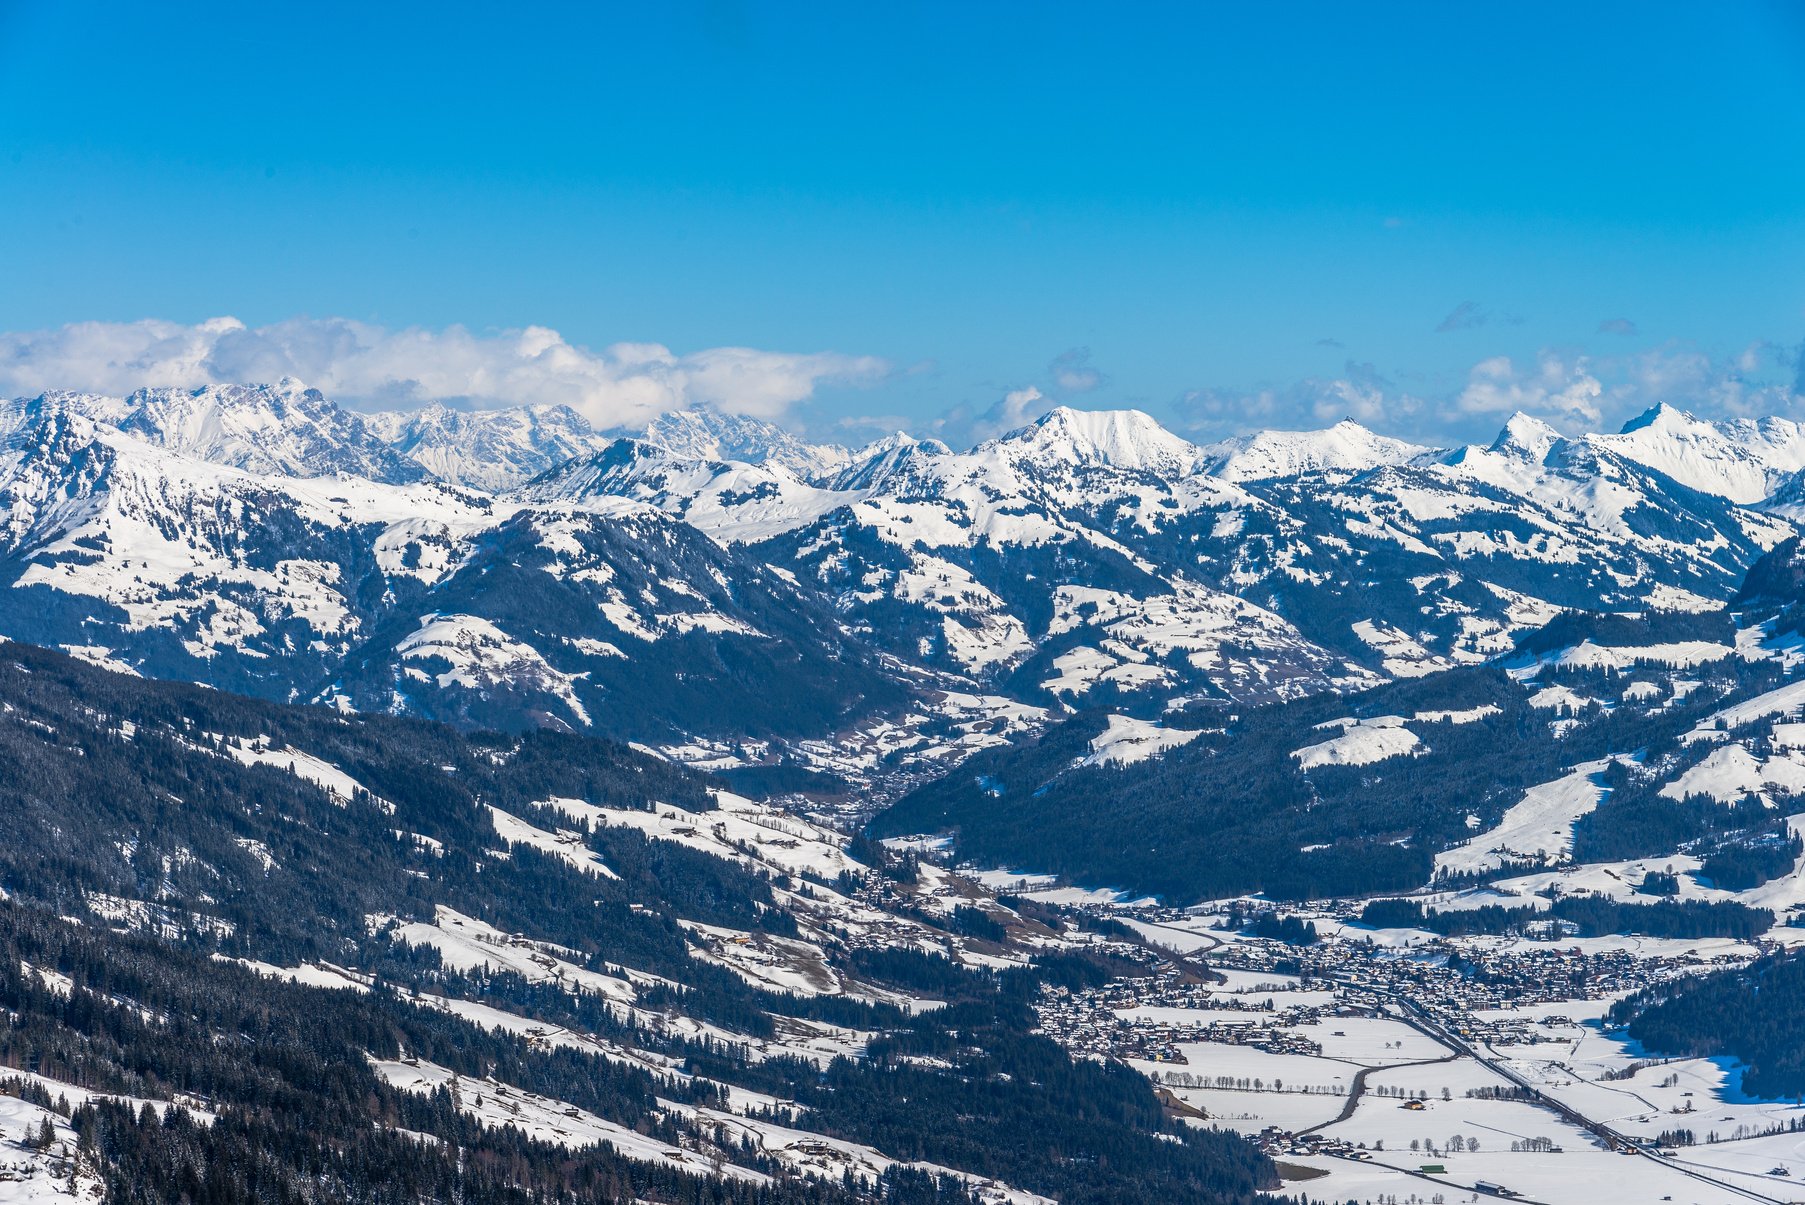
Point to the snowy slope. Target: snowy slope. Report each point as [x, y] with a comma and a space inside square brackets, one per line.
[619, 617]
[492, 450]
[1538, 827]
[177, 561]
[705, 433]
[1121, 439]
[876, 465]
[1358, 743]
[285, 428]
[1744, 459]
[734, 501]
[501, 965]
[1345, 447]
[1126, 740]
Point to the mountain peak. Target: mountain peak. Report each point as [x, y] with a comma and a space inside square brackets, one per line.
[704, 433]
[1123, 439]
[1347, 446]
[1659, 415]
[881, 461]
[1527, 437]
[490, 449]
[1738, 459]
[283, 428]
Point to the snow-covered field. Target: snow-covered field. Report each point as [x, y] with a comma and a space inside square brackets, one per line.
[1429, 1120]
[1127, 740]
[1360, 743]
[1536, 826]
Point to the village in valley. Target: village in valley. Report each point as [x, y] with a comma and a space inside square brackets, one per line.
[1387, 1066]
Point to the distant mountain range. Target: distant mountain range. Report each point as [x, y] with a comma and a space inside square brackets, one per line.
[737, 598]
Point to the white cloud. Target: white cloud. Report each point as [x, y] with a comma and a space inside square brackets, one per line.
[357, 362]
[1553, 388]
[1757, 381]
[1018, 408]
[1072, 371]
[1362, 395]
[965, 426]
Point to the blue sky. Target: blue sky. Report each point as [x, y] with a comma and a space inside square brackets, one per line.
[1232, 216]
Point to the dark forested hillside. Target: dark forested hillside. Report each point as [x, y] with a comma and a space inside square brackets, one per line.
[158, 833]
[1754, 1013]
[1236, 810]
[733, 650]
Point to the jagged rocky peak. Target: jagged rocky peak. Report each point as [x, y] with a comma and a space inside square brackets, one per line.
[1526, 437]
[96, 407]
[882, 461]
[283, 428]
[50, 459]
[705, 433]
[1345, 447]
[492, 450]
[1744, 460]
[1122, 439]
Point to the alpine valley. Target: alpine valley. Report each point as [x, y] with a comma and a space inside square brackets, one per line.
[474, 806]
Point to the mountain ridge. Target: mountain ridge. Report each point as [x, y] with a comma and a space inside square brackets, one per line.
[1087, 558]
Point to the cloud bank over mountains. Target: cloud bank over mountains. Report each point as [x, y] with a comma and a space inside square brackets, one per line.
[624, 385]
[1572, 391]
[375, 367]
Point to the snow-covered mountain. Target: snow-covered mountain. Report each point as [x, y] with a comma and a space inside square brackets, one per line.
[1057, 556]
[704, 433]
[877, 464]
[1742, 459]
[1537, 672]
[422, 597]
[1605, 750]
[731, 500]
[1010, 560]
[513, 567]
[1119, 439]
[1345, 447]
[285, 428]
[192, 569]
[491, 450]
[1438, 563]
[616, 617]
[1788, 501]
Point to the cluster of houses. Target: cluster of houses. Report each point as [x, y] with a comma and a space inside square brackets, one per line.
[1453, 981]
[1093, 1021]
[1277, 1141]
